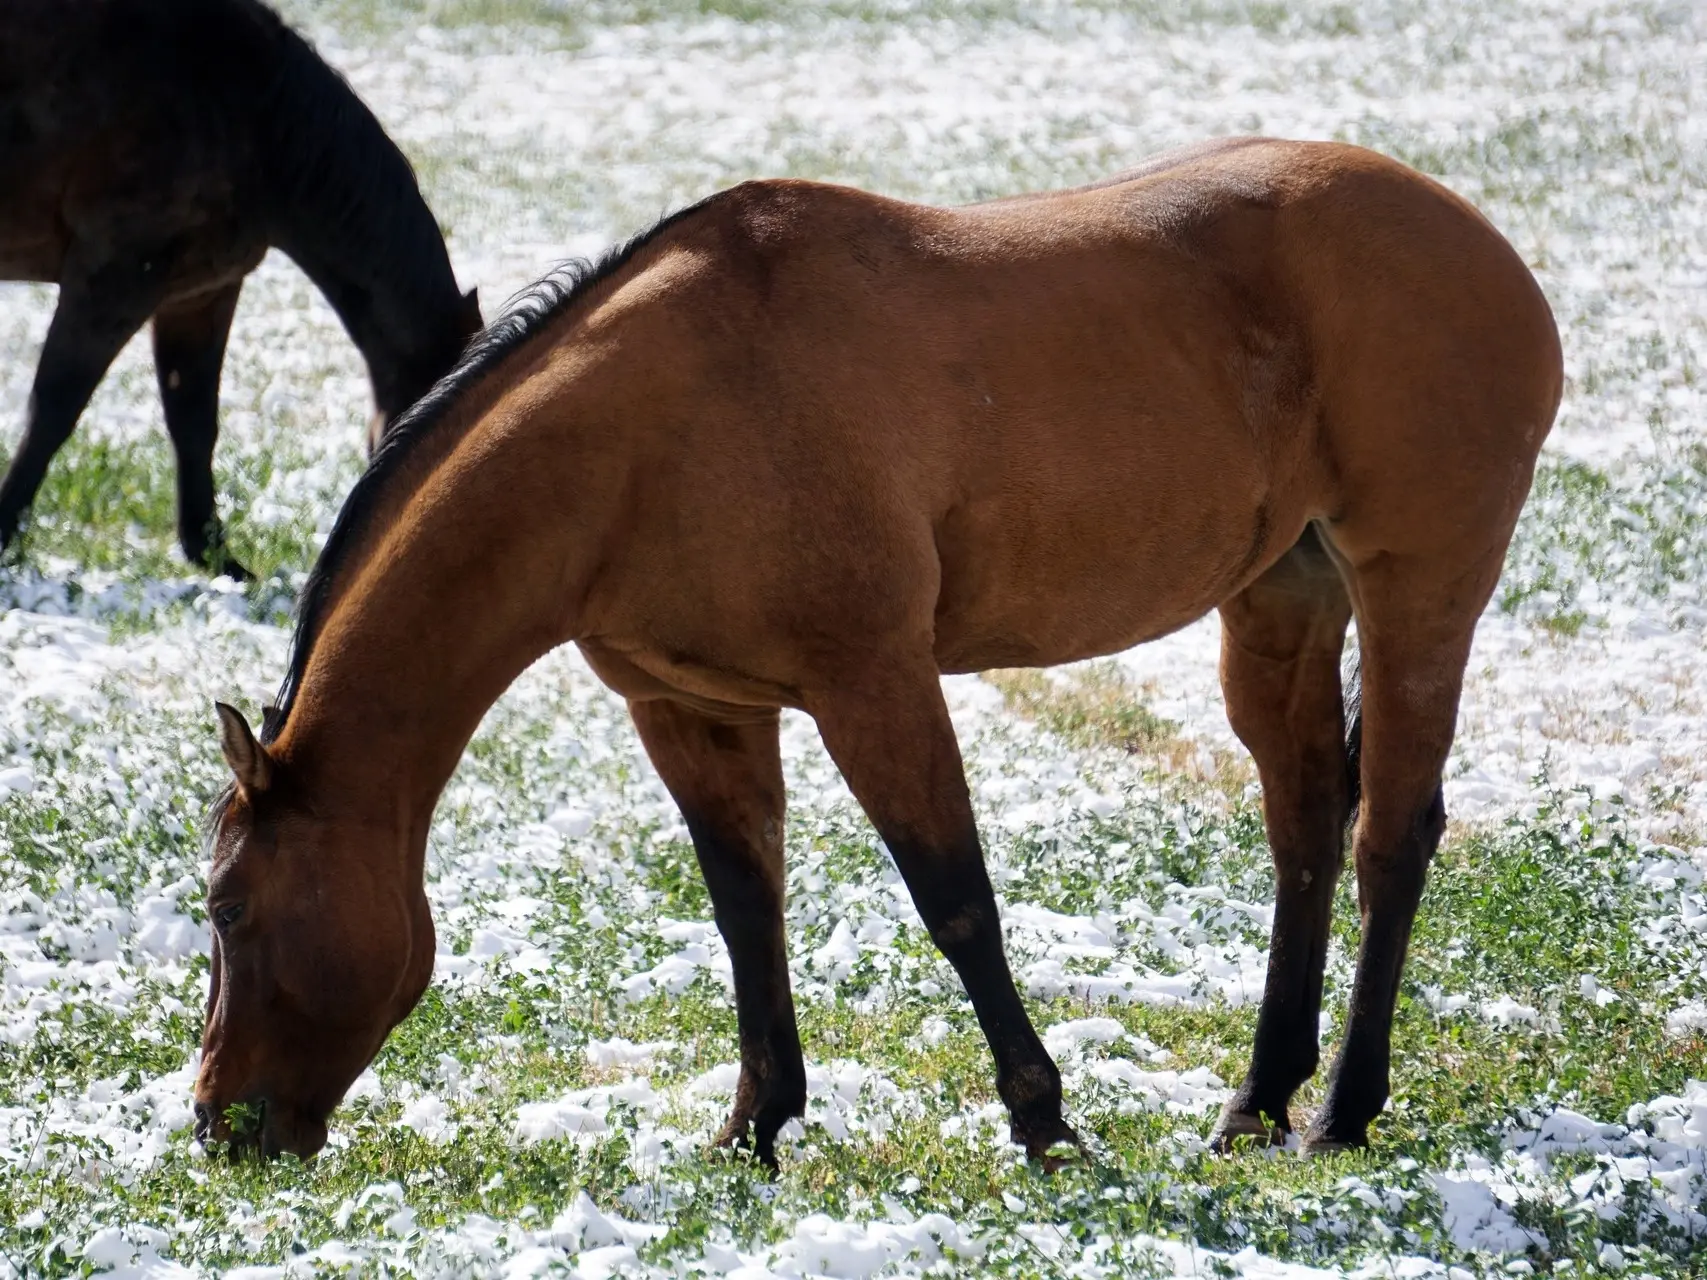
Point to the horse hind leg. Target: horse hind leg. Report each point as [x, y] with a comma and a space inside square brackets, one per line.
[1416, 616]
[189, 352]
[1281, 640]
[726, 777]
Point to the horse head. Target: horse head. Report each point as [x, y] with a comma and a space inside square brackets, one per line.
[320, 947]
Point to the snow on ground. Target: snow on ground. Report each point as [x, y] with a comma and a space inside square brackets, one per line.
[1579, 127]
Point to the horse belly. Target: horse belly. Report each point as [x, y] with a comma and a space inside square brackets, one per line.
[24, 260]
[1101, 576]
[1044, 624]
[32, 233]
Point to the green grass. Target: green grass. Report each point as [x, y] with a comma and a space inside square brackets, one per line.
[1639, 535]
[1521, 910]
[1097, 707]
[112, 505]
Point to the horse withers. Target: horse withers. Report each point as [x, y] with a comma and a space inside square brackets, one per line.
[150, 153]
[800, 446]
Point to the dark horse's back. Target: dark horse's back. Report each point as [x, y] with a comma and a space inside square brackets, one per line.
[151, 151]
[117, 118]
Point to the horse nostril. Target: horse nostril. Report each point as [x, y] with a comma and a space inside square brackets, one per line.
[204, 1121]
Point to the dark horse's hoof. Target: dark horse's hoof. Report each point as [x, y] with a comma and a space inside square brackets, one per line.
[1053, 1144]
[1337, 1129]
[220, 563]
[744, 1134]
[1235, 1127]
[1326, 1144]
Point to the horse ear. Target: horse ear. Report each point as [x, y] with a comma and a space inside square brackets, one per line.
[471, 307]
[248, 759]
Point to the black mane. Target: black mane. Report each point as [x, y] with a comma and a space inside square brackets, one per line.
[330, 153]
[525, 316]
[346, 206]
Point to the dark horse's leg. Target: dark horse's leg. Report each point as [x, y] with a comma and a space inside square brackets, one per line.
[726, 777]
[189, 349]
[891, 737]
[1280, 656]
[98, 312]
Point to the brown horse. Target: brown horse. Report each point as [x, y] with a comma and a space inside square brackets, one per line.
[150, 152]
[800, 446]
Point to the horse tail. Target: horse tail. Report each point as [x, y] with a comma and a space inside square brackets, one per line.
[1353, 740]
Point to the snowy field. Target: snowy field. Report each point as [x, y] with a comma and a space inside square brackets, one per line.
[546, 1109]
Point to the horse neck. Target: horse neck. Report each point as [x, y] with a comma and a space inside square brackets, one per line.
[347, 209]
[469, 583]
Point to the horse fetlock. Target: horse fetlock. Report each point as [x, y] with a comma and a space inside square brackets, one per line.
[1033, 1087]
[780, 1101]
[1275, 1076]
[1033, 1097]
[766, 1098]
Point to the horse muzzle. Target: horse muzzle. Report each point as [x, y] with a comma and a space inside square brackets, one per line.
[258, 1127]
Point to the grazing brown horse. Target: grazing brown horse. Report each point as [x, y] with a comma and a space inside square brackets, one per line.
[800, 446]
[150, 152]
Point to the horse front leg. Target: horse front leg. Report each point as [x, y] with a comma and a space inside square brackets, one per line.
[891, 737]
[100, 308]
[189, 352]
[726, 777]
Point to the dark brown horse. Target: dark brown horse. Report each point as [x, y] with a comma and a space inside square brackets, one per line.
[150, 153]
[801, 446]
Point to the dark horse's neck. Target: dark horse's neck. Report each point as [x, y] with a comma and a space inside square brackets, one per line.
[347, 209]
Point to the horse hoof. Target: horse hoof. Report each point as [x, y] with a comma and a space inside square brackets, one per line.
[741, 1137]
[1056, 1148]
[1322, 1145]
[741, 1152]
[1236, 1126]
[1059, 1157]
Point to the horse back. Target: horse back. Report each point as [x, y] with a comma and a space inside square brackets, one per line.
[129, 122]
[1304, 321]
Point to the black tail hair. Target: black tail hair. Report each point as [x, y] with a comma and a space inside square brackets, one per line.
[1354, 739]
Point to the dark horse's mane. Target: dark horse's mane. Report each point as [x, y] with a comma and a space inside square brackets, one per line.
[327, 158]
[328, 140]
[525, 317]
[344, 196]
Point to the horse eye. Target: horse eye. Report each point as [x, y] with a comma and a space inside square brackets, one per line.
[227, 916]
